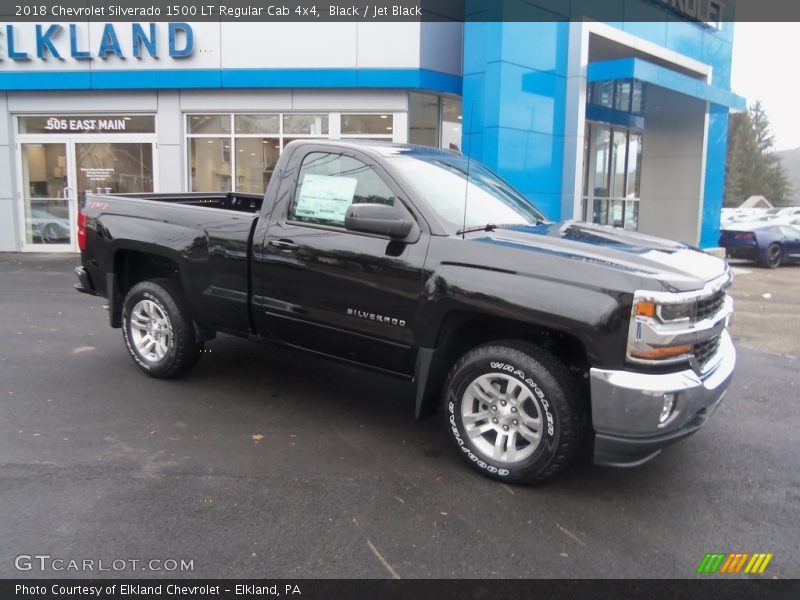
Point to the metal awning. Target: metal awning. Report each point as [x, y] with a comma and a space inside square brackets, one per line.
[653, 74]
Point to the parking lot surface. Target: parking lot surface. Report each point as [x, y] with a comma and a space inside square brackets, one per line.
[263, 463]
[767, 307]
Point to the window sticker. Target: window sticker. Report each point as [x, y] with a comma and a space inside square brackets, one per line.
[325, 197]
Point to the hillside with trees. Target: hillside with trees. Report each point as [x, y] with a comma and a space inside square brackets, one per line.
[791, 162]
[753, 166]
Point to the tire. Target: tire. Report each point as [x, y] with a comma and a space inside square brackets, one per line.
[544, 399]
[155, 310]
[773, 257]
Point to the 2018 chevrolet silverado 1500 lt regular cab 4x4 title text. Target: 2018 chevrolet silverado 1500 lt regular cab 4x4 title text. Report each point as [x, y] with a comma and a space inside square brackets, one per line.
[422, 264]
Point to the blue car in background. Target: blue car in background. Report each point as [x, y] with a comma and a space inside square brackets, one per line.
[769, 245]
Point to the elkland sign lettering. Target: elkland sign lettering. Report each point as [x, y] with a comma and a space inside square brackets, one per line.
[56, 41]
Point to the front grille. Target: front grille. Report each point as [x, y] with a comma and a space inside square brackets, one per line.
[708, 307]
[705, 351]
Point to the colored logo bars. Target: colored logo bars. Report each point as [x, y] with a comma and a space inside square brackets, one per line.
[719, 562]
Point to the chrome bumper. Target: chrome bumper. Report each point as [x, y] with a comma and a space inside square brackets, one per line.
[626, 406]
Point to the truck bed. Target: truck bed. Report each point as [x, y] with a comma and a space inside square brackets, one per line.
[209, 248]
[236, 201]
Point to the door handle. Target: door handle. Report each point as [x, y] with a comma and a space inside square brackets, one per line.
[287, 245]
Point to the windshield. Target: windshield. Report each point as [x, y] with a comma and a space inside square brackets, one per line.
[442, 181]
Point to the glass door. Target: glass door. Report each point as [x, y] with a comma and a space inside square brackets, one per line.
[104, 167]
[612, 175]
[49, 210]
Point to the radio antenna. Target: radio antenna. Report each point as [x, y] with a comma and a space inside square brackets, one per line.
[469, 160]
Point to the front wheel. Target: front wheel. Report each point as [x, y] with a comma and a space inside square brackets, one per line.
[158, 333]
[513, 411]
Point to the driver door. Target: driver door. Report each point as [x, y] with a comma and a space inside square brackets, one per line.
[324, 288]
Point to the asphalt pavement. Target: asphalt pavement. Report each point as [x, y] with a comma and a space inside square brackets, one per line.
[263, 463]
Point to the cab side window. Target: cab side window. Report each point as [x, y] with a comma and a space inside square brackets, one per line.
[329, 183]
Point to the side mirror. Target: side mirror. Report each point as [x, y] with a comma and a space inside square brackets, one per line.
[380, 219]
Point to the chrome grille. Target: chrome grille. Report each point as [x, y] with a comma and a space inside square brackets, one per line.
[708, 307]
[705, 351]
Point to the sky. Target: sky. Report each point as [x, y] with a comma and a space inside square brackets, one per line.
[765, 68]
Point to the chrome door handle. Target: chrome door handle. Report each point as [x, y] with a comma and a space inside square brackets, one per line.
[287, 245]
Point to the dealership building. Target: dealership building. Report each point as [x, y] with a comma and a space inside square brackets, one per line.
[621, 123]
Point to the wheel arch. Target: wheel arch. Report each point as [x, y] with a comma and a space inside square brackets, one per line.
[132, 265]
[461, 331]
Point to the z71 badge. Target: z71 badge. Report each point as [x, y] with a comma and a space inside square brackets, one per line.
[361, 314]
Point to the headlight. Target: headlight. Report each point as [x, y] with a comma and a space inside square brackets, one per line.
[685, 311]
[652, 314]
[666, 312]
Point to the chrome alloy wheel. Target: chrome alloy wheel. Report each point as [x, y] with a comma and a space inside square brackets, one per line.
[151, 331]
[502, 417]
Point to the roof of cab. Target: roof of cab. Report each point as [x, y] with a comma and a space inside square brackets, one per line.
[380, 148]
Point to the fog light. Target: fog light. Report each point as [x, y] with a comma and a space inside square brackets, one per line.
[666, 409]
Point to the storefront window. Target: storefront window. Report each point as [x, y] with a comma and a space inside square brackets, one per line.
[379, 125]
[637, 98]
[257, 124]
[617, 170]
[601, 143]
[602, 94]
[423, 119]
[210, 164]
[242, 158]
[305, 124]
[623, 95]
[451, 124]
[255, 162]
[622, 99]
[205, 124]
[634, 177]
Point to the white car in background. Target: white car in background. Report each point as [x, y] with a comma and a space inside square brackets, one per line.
[785, 215]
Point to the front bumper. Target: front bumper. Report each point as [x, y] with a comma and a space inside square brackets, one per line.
[626, 406]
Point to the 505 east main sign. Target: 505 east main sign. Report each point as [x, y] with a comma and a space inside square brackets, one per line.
[59, 41]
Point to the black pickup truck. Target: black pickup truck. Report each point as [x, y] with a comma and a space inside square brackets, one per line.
[527, 334]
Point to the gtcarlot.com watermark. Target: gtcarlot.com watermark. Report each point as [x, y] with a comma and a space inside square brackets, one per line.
[56, 564]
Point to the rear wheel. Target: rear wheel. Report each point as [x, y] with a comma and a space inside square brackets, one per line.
[773, 257]
[513, 411]
[158, 333]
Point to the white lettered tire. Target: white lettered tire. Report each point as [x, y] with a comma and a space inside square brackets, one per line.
[157, 331]
[513, 411]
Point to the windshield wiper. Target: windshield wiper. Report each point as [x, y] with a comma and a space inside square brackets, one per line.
[487, 227]
[493, 226]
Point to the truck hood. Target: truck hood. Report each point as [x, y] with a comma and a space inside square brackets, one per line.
[672, 266]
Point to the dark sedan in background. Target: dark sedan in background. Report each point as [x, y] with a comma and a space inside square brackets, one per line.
[769, 245]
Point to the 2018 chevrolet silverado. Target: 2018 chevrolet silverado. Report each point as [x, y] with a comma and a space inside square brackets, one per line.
[422, 264]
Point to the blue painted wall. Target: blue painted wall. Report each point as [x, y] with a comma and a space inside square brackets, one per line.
[514, 95]
[514, 98]
[144, 79]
